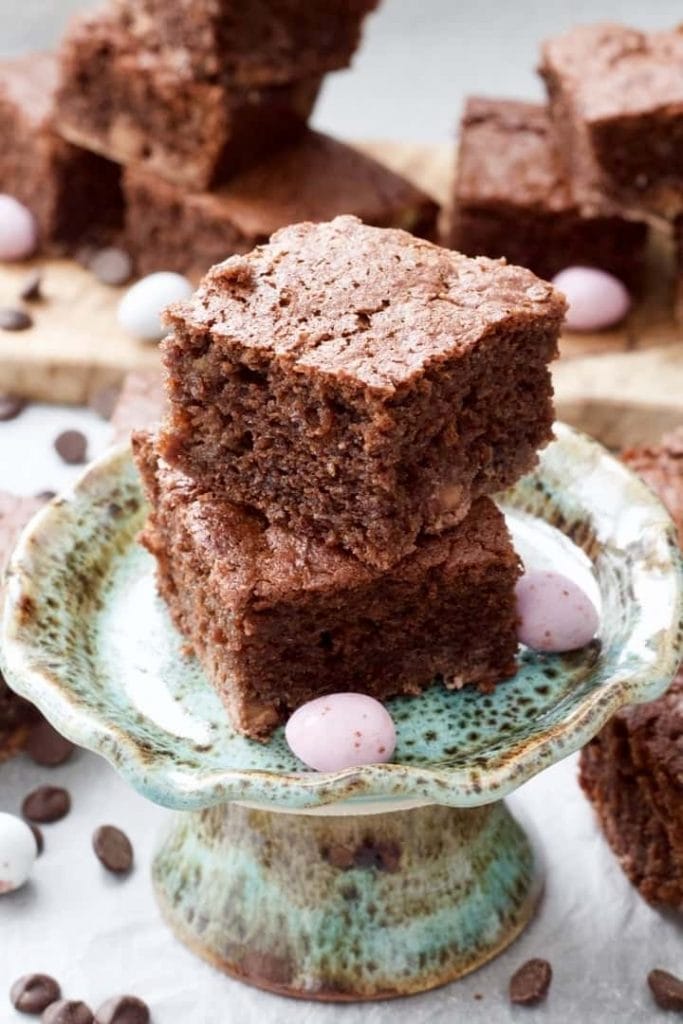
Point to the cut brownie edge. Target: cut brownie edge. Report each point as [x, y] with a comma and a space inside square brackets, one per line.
[360, 384]
[277, 619]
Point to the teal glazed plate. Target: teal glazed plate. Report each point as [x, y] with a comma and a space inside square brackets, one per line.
[85, 637]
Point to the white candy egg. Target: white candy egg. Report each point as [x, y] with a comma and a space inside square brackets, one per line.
[18, 852]
[141, 307]
[341, 731]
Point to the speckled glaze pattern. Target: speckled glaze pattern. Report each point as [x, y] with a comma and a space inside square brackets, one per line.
[86, 639]
[347, 907]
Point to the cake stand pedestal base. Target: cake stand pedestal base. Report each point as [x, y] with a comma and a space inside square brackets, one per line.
[347, 906]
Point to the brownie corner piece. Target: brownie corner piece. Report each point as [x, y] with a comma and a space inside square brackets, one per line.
[277, 619]
[73, 194]
[359, 384]
[138, 106]
[616, 97]
[514, 198]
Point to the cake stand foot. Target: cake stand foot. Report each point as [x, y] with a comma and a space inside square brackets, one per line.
[345, 907]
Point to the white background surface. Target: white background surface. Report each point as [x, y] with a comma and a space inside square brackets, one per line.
[101, 936]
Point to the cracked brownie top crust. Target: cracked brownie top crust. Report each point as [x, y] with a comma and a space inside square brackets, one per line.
[359, 383]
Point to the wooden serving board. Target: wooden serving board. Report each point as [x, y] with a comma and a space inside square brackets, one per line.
[621, 386]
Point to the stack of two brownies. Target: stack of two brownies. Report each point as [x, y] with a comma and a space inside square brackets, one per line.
[340, 401]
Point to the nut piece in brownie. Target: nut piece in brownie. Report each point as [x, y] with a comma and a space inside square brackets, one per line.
[277, 618]
[137, 107]
[513, 198]
[139, 405]
[16, 715]
[168, 228]
[632, 771]
[256, 43]
[358, 384]
[616, 98]
[74, 195]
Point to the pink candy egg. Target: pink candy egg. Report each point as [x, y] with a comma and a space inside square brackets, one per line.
[554, 613]
[341, 731]
[596, 299]
[18, 230]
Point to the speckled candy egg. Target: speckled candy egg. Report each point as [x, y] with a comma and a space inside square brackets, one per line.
[140, 308]
[18, 851]
[18, 230]
[554, 613]
[597, 300]
[341, 731]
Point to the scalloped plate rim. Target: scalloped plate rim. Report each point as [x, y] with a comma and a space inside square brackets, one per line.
[166, 785]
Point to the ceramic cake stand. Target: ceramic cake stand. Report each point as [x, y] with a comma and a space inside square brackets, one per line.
[370, 882]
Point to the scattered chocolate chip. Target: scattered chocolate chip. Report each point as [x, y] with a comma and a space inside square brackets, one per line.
[39, 838]
[14, 319]
[30, 290]
[10, 407]
[123, 1010]
[530, 983]
[47, 747]
[68, 1011]
[103, 401]
[111, 265]
[46, 804]
[33, 993]
[113, 849]
[46, 495]
[72, 446]
[667, 989]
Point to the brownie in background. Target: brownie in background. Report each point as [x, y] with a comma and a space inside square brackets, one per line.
[137, 107]
[514, 199]
[315, 179]
[74, 195]
[250, 42]
[277, 618]
[360, 385]
[616, 99]
[632, 771]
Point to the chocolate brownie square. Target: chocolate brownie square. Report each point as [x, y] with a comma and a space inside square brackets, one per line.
[514, 199]
[74, 195]
[168, 228]
[261, 42]
[360, 385]
[277, 618]
[16, 715]
[632, 771]
[616, 98]
[137, 107]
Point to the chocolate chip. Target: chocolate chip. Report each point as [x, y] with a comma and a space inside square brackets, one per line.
[72, 445]
[68, 1011]
[111, 266]
[123, 1010]
[104, 400]
[113, 849]
[33, 993]
[46, 804]
[14, 319]
[47, 747]
[530, 983]
[46, 495]
[667, 989]
[30, 290]
[39, 838]
[10, 407]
